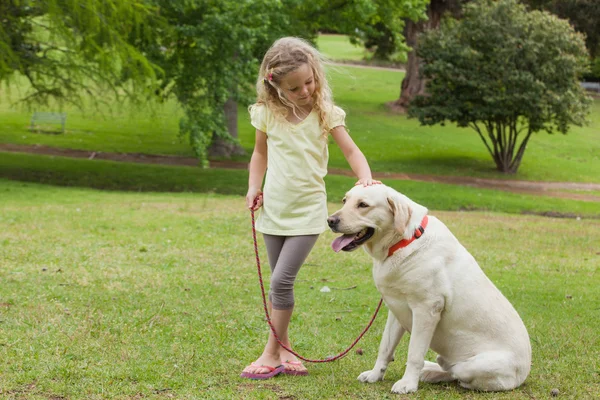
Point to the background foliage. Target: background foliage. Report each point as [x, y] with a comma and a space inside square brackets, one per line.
[207, 51]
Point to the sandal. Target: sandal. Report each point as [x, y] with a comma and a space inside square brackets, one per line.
[288, 371]
[273, 371]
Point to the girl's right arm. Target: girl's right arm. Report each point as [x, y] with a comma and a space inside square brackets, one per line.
[258, 166]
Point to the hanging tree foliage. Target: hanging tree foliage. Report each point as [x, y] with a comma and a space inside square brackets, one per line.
[506, 73]
[68, 49]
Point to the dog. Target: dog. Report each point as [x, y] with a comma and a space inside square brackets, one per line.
[435, 290]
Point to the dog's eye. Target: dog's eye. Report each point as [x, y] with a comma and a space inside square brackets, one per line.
[362, 205]
[344, 200]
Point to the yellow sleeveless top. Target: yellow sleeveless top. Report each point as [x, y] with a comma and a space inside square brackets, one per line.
[294, 197]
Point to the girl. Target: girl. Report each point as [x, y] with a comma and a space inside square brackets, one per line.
[293, 116]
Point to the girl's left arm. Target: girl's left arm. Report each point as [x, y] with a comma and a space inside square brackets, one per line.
[354, 156]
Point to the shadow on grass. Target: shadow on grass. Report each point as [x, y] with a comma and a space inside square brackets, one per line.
[107, 175]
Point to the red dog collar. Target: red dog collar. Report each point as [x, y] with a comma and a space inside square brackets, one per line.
[405, 242]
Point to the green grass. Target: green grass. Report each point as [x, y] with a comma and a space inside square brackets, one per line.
[152, 129]
[109, 175]
[114, 295]
[339, 48]
[390, 142]
[587, 192]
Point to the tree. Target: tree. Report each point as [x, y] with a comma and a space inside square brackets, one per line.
[69, 48]
[382, 25]
[356, 18]
[212, 49]
[584, 15]
[210, 52]
[505, 72]
[413, 84]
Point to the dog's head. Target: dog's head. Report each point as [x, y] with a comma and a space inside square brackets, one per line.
[374, 213]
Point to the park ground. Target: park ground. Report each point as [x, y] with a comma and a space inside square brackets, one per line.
[129, 273]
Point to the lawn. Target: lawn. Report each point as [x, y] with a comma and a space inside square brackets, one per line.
[121, 295]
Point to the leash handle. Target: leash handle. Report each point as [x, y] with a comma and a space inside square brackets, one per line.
[264, 299]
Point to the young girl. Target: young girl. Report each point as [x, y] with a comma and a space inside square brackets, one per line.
[293, 116]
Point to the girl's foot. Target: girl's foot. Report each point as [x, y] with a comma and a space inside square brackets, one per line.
[264, 365]
[292, 365]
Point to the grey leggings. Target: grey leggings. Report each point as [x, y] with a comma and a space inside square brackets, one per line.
[286, 256]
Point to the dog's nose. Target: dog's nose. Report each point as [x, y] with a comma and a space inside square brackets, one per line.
[333, 221]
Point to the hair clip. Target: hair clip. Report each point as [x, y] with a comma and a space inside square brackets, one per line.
[270, 76]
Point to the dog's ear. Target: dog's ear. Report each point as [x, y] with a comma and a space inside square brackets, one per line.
[401, 211]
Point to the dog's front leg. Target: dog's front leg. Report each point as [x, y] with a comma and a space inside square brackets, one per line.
[391, 337]
[424, 321]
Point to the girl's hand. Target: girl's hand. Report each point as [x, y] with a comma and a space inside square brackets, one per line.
[367, 182]
[254, 194]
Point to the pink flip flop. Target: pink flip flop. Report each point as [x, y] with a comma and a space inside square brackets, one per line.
[273, 371]
[287, 371]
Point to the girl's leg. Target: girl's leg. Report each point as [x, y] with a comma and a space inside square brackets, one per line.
[274, 245]
[292, 254]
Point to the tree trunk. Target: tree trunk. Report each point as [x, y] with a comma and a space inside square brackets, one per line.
[516, 162]
[221, 147]
[412, 84]
[505, 143]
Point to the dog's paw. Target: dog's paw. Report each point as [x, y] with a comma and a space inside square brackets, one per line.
[403, 386]
[371, 376]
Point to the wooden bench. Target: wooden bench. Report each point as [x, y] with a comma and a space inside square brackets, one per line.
[591, 86]
[51, 117]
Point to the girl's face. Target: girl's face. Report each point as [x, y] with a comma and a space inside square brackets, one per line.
[299, 85]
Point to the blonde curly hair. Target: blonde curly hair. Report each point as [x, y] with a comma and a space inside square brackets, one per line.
[286, 55]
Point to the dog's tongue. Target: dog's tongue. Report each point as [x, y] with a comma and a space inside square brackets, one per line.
[341, 242]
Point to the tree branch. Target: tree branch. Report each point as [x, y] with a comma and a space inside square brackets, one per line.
[476, 127]
[517, 160]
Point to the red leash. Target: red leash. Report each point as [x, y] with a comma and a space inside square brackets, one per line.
[264, 299]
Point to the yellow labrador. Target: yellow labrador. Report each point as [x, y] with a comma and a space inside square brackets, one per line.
[435, 290]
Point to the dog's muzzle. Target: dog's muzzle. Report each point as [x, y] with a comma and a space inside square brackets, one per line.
[333, 222]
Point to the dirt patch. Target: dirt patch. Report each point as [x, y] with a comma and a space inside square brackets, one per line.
[93, 155]
[550, 189]
[362, 64]
[556, 214]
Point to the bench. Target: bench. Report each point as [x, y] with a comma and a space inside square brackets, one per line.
[591, 86]
[52, 117]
